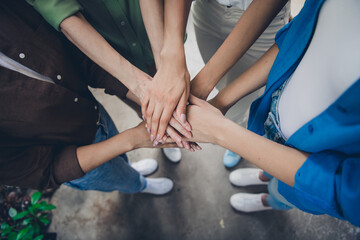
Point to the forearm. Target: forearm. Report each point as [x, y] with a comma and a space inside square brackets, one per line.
[249, 27]
[252, 79]
[90, 42]
[175, 20]
[278, 160]
[153, 17]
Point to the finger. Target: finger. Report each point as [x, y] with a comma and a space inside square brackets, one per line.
[186, 145]
[196, 146]
[155, 123]
[144, 105]
[195, 101]
[173, 134]
[180, 128]
[186, 125]
[149, 113]
[181, 108]
[163, 123]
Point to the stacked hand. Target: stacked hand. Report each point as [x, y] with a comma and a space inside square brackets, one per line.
[164, 105]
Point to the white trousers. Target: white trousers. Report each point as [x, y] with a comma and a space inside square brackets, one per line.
[213, 22]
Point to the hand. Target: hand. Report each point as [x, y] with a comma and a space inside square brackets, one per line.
[204, 119]
[141, 139]
[168, 90]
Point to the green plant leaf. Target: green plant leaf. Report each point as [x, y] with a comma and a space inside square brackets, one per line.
[12, 212]
[12, 236]
[4, 226]
[22, 233]
[47, 207]
[20, 215]
[26, 221]
[45, 221]
[36, 206]
[35, 197]
[40, 237]
[6, 231]
[36, 228]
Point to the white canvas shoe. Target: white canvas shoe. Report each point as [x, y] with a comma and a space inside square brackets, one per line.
[145, 166]
[173, 154]
[246, 176]
[158, 186]
[247, 202]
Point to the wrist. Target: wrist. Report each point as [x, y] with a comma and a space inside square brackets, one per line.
[221, 130]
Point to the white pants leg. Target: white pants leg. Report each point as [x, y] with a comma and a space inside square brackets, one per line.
[213, 22]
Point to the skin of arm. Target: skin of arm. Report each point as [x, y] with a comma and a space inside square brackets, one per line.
[249, 27]
[209, 125]
[170, 87]
[252, 79]
[153, 17]
[93, 155]
[92, 44]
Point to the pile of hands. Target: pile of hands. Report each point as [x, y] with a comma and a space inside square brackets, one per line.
[174, 115]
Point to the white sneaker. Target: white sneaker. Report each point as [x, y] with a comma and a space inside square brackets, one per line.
[246, 176]
[158, 186]
[145, 166]
[247, 202]
[173, 154]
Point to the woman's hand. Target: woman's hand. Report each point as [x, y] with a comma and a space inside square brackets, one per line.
[204, 119]
[168, 92]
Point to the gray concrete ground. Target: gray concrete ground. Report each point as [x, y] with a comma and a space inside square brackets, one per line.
[197, 208]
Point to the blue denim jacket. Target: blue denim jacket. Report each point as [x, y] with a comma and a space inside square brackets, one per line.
[329, 180]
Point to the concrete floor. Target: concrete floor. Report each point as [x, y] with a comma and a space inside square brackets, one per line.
[197, 208]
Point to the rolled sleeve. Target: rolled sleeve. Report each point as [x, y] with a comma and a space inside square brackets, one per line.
[327, 183]
[55, 11]
[39, 167]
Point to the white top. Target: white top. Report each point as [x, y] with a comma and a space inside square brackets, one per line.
[242, 4]
[330, 65]
[11, 64]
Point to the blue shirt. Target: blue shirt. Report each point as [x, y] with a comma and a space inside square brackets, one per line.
[329, 180]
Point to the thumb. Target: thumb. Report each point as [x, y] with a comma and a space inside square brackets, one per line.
[181, 108]
[195, 100]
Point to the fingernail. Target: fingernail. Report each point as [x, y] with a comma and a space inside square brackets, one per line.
[151, 138]
[143, 117]
[183, 118]
[156, 143]
[198, 148]
[180, 144]
[164, 138]
[158, 137]
[187, 127]
[148, 129]
[188, 135]
[192, 150]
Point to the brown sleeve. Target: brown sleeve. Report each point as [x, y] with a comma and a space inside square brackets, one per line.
[99, 78]
[38, 167]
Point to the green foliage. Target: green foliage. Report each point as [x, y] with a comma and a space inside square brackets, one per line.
[27, 224]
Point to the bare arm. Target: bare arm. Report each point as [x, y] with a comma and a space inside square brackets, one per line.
[90, 42]
[153, 16]
[252, 79]
[92, 156]
[249, 27]
[209, 125]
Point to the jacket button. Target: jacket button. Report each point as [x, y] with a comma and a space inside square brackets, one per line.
[95, 107]
[22, 55]
[76, 99]
[58, 77]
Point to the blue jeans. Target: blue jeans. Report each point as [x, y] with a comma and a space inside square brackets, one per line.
[273, 132]
[115, 174]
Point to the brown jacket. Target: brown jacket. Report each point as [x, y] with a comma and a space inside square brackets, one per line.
[41, 124]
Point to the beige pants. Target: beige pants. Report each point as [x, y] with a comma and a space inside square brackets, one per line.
[213, 22]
